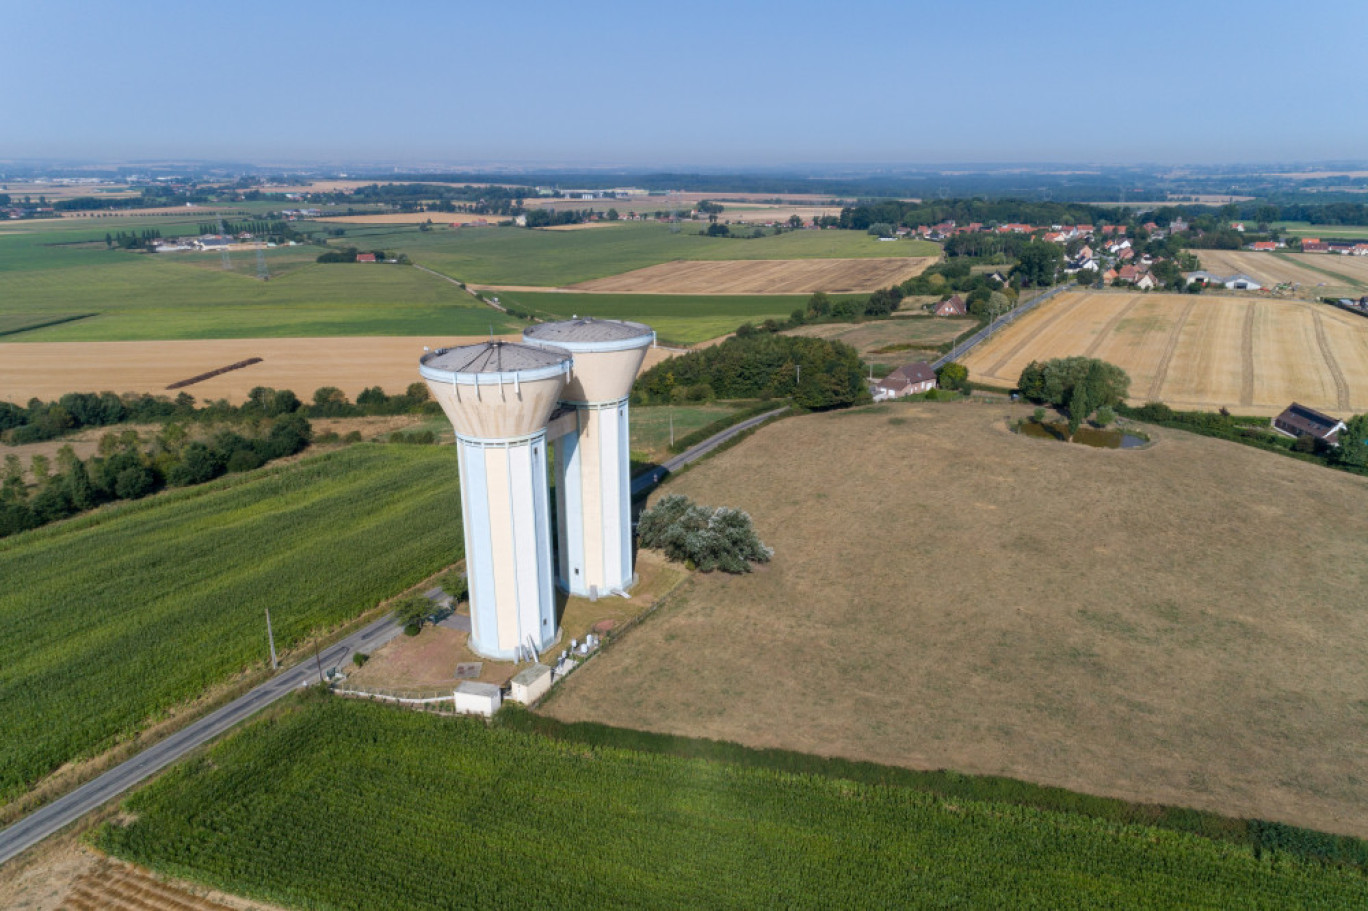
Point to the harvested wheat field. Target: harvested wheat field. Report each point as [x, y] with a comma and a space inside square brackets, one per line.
[762, 276]
[1182, 624]
[49, 370]
[1351, 267]
[1201, 352]
[1270, 269]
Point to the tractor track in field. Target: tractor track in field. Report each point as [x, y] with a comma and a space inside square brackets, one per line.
[1341, 384]
[1247, 357]
[1110, 327]
[1026, 340]
[1161, 373]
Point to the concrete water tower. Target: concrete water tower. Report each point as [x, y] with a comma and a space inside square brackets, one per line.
[593, 473]
[499, 397]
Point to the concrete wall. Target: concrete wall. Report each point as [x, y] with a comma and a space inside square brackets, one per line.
[506, 512]
[593, 502]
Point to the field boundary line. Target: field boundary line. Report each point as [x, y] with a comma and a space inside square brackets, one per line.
[1328, 273]
[1175, 335]
[460, 285]
[1341, 384]
[1110, 327]
[1021, 345]
[1247, 356]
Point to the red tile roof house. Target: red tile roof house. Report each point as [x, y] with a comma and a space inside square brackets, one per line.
[1300, 421]
[1314, 245]
[1264, 245]
[907, 380]
[365, 257]
[952, 307]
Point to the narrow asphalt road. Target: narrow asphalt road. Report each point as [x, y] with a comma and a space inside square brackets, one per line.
[1010, 316]
[67, 809]
[643, 483]
[48, 819]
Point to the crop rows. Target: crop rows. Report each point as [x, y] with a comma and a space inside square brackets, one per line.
[331, 803]
[113, 618]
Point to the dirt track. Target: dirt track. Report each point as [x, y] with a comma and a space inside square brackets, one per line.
[1253, 355]
[49, 370]
[765, 276]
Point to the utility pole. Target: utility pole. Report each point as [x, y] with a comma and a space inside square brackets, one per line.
[671, 413]
[318, 662]
[270, 637]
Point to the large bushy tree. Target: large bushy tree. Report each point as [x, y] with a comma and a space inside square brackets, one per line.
[1074, 383]
[709, 539]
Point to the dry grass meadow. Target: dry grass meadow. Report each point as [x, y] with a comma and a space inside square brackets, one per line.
[890, 340]
[1253, 355]
[301, 364]
[1182, 624]
[762, 276]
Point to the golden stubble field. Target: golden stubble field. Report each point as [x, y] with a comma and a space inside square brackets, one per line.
[1300, 270]
[1183, 624]
[49, 370]
[1253, 355]
[762, 276]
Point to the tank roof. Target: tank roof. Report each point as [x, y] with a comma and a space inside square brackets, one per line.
[589, 333]
[493, 357]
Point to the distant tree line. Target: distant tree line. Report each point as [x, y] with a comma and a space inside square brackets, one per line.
[349, 254]
[129, 468]
[814, 373]
[38, 420]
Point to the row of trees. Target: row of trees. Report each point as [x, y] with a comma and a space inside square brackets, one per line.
[129, 468]
[815, 373]
[41, 420]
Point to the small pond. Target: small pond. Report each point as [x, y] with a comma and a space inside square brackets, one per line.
[1088, 436]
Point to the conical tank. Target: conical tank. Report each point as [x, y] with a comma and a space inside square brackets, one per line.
[499, 396]
[593, 468]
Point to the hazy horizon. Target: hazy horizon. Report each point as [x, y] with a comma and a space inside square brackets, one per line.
[709, 86]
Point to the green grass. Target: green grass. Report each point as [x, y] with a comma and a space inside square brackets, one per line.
[677, 318]
[1305, 229]
[651, 424]
[116, 616]
[516, 256]
[341, 804]
[189, 295]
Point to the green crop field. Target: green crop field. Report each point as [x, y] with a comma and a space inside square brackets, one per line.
[116, 616]
[50, 272]
[676, 318]
[339, 804]
[1306, 229]
[516, 256]
[651, 424]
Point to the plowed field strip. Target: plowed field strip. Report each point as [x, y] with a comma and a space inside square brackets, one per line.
[1061, 313]
[1247, 358]
[1161, 373]
[1341, 385]
[1110, 327]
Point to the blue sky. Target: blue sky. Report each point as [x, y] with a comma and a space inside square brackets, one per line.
[684, 83]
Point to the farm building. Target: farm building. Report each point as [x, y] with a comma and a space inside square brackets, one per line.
[1237, 282]
[1314, 245]
[365, 257]
[1299, 421]
[1267, 246]
[952, 307]
[906, 380]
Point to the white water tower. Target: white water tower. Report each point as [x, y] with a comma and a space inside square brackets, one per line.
[499, 397]
[593, 471]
